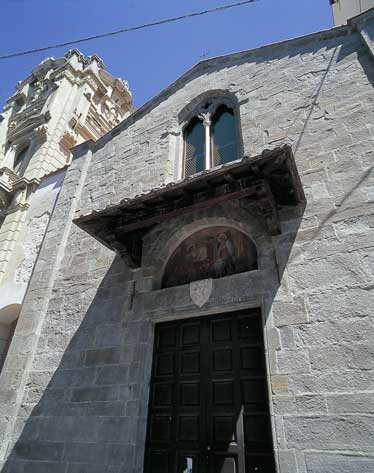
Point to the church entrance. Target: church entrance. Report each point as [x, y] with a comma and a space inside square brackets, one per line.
[208, 409]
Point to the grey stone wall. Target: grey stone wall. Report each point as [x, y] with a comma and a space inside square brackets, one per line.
[74, 389]
[298, 92]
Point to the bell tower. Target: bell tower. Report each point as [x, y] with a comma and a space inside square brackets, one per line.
[343, 10]
[62, 103]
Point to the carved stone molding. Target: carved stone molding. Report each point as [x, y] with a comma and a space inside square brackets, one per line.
[15, 191]
[19, 130]
[206, 104]
[40, 134]
[19, 201]
[7, 178]
[67, 141]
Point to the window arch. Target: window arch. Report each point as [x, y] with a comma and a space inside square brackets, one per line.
[194, 154]
[210, 137]
[19, 160]
[223, 136]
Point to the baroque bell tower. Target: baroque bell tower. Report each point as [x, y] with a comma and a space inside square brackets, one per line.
[62, 103]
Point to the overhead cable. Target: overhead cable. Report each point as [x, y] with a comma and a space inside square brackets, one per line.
[128, 29]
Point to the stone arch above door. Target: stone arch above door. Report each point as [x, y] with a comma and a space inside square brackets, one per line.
[163, 242]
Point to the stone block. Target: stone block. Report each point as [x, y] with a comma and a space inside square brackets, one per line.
[107, 393]
[30, 429]
[321, 462]
[300, 461]
[332, 381]
[341, 303]
[329, 273]
[72, 359]
[279, 384]
[84, 338]
[7, 396]
[64, 378]
[329, 432]
[284, 404]
[287, 337]
[351, 211]
[70, 429]
[108, 335]
[108, 356]
[118, 430]
[342, 331]
[104, 408]
[93, 453]
[287, 461]
[279, 438]
[273, 339]
[119, 454]
[353, 226]
[293, 361]
[351, 403]
[47, 451]
[123, 469]
[40, 467]
[136, 372]
[287, 313]
[47, 361]
[84, 468]
[359, 356]
[314, 404]
[112, 375]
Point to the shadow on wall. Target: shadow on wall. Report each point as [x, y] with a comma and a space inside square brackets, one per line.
[6, 336]
[85, 414]
[312, 105]
[90, 414]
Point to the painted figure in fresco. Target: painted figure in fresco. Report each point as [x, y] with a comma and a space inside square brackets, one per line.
[204, 262]
[225, 257]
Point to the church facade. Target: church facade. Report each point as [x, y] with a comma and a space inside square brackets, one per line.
[202, 300]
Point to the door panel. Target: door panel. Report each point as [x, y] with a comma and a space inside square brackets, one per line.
[208, 408]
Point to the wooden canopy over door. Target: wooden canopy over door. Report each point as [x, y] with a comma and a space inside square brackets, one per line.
[208, 410]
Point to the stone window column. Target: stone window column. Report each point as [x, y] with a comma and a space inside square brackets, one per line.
[207, 124]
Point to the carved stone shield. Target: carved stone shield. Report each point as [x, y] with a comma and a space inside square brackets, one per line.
[200, 291]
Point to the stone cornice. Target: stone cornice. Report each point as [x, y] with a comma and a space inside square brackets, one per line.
[6, 179]
[85, 61]
[78, 77]
[96, 82]
[36, 124]
[15, 190]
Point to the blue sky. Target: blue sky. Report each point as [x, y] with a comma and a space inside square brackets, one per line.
[149, 59]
